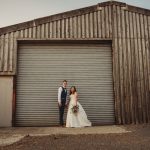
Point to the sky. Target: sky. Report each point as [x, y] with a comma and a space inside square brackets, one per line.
[17, 11]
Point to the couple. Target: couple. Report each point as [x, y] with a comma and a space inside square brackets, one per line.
[76, 116]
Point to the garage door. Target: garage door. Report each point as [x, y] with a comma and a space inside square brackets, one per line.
[41, 70]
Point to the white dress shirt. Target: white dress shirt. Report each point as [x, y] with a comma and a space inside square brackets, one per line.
[59, 95]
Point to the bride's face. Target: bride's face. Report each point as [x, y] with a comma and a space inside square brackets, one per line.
[72, 89]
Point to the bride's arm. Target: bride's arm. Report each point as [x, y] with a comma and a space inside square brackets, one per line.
[76, 97]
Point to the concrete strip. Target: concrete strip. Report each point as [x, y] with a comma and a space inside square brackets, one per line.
[10, 139]
[74, 131]
[11, 135]
[63, 130]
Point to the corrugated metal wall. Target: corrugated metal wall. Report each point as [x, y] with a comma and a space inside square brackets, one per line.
[41, 70]
[129, 29]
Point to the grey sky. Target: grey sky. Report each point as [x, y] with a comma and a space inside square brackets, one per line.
[17, 11]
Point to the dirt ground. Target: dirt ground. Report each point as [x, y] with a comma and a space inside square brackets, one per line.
[138, 139]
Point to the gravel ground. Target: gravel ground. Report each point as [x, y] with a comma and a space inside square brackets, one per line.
[138, 139]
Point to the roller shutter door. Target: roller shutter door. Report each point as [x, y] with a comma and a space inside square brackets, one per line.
[41, 70]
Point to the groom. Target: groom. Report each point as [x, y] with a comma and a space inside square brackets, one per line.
[62, 101]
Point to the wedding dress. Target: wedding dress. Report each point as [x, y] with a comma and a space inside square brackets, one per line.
[78, 119]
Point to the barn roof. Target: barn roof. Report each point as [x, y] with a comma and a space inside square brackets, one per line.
[71, 13]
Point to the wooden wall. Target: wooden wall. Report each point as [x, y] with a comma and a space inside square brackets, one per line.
[129, 30]
[131, 57]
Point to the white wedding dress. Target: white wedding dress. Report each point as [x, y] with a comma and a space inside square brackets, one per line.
[78, 119]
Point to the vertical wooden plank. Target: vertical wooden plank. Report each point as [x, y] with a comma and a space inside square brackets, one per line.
[91, 25]
[95, 25]
[38, 31]
[21, 34]
[136, 74]
[120, 54]
[6, 52]
[124, 64]
[50, 29]
[149, 44]
[11, 51]
[114, 22]
[116, 70]
[132, 89]
[140, 67]
[110, 21]
[1, 52]
[26, 33]
[83, 26]
[146, 27]
[107, 22]
[118, 22]
[58, 29]
[54, 29]
[123, 29]
[99, 24]
[137, 39]
[143, 66]
[75, 27]
[34, 32]
[146, 58]
[71, 30]
[87, 25]
[30, 33]
[120, 79]
[62, 28]
[131, 25]
[132, 73]
[129, 84]
[43, 31]
[16, 35]
[116, 81]
[145, 81]
[79, 26]
[147, 32]
[103, 23]
[47, 30]
[67, 28]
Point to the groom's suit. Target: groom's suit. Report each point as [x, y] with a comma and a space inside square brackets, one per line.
[62, 99]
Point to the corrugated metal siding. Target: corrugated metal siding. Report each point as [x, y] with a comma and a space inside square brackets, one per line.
[41, 70]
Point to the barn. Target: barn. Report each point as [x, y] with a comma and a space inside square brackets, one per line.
[104, 50]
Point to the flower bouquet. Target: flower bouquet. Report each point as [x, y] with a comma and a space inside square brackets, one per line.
[75, 108]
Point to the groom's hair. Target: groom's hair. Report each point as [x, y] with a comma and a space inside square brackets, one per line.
[64, 81]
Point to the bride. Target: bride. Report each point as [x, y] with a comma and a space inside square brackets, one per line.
[76, 116]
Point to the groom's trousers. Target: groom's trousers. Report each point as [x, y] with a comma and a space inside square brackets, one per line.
[61, 113]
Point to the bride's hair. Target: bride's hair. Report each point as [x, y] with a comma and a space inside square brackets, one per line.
[74, 90]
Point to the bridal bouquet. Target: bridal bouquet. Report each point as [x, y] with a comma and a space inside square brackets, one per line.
[75, 108]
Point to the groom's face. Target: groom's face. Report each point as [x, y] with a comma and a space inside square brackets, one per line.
[64, 84]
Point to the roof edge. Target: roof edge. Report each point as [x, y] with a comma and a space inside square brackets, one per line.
[71, 13]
